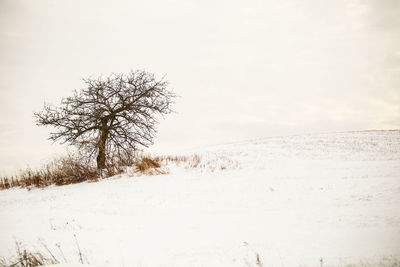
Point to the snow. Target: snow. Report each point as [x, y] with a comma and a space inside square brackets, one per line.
[307, 200]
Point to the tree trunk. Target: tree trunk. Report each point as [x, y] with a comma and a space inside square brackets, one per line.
[101, 145]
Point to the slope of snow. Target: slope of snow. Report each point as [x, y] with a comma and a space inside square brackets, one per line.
[310, 200]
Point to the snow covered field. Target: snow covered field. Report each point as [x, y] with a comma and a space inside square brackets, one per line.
[309, 200]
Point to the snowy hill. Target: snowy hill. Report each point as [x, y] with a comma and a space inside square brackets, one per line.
[308, 200]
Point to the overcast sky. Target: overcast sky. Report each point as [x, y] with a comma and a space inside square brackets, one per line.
[243, 69]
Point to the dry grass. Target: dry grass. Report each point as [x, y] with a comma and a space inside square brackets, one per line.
[71, 170]
[170, 158]
[62, 171]
[75, 169]
[208, 163]
[191, 160]
[25, 258]
[146, 163]
[149, 166]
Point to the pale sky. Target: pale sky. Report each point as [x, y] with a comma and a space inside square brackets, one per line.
[243, 69]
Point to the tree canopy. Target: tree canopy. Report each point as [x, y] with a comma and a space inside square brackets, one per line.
[115, 114]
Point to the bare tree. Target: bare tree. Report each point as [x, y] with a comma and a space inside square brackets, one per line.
[111, 115]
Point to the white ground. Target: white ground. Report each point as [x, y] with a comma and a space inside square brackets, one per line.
[310, 200]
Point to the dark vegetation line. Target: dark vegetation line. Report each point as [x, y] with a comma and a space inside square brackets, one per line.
[72, 170]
